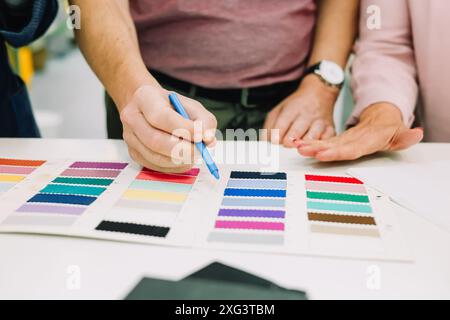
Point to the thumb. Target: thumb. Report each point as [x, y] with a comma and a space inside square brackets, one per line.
[407, 138]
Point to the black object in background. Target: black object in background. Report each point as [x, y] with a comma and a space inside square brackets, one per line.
[214, 282]
[14, 15]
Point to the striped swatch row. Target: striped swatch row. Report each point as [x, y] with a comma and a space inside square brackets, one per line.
[339, 205]
[252, 209]
[68, 195]
[13, 171]
[151, 203]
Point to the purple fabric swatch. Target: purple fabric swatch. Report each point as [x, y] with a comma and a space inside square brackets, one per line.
[251, 213]
[93, 173]
[99, 165]
[44, 208]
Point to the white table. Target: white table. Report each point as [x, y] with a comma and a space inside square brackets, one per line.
[39, 267]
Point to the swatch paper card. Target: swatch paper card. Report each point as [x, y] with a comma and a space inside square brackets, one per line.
[148, 209]
[295, 213]
[103, 200]
[65, 197]
[285, 212]
[342, 215]
[14, 171]
[427, 195]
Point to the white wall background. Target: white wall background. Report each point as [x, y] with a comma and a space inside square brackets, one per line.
[68, 99]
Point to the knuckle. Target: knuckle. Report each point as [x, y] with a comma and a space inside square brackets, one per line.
[196, 104]
[320, 122]
[285, 117]
[127, 115]
[211, 119]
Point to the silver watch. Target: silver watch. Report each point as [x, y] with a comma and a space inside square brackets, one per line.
[329, 72]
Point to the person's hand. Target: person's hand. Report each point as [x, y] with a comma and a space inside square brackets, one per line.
[380, 129]
[306, 114]
[158, 137]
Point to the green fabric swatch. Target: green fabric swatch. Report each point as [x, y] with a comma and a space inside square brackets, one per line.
[86, 181]
[339, 207]
[79, 190]
[337, 196]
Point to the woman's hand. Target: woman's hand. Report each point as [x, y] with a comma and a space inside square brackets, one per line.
[380, 129]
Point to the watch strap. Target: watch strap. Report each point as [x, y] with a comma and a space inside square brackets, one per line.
[312, 70]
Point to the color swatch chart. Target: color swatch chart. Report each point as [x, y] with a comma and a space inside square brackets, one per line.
[69, 195]
[339, 205]
[13, 171]
[151, 204]
[252, 210]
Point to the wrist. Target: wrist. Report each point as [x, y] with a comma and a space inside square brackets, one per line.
[125, 93]
[313, 83]
[382, 113]
[329, 72]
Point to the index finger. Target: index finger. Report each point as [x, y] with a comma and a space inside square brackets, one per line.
[154, 104]
[163, 117]
[205, 121]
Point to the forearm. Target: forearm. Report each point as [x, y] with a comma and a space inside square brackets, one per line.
[108, 40]
[384, 68]
[336, 31]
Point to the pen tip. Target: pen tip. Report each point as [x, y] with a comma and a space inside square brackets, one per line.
[216, 174]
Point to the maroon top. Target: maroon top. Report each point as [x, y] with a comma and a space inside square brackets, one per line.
[226, 43]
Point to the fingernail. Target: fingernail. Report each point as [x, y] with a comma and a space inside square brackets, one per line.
[209, 136]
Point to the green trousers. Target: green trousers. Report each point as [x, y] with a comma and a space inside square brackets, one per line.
[229, 115]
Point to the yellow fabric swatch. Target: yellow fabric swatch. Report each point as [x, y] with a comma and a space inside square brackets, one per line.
[10, 178]
[154, 195]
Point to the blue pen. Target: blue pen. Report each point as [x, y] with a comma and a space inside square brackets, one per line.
[200, 145]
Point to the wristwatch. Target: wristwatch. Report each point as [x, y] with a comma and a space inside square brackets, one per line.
[329, 72]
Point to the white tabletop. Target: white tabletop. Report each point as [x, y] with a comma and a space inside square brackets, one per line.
[46, 267]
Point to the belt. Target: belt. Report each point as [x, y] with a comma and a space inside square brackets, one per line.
[256, 97]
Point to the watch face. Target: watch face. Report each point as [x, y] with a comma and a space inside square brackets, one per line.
[331, 72]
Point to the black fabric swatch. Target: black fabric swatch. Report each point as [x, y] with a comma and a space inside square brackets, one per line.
[258, 175]
[133, 228]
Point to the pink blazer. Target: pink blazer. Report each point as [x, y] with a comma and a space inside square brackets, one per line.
[407, 58]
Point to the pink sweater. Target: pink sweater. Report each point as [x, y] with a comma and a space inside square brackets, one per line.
[226, 43]
[407, 58]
